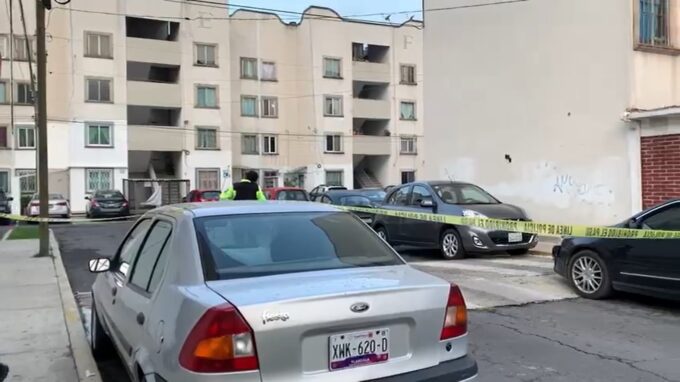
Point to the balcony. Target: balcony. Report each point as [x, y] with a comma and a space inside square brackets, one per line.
[154, 51]
[371, 72]
[156, 94]
[371, 145]
[155, 138]
[371, 109]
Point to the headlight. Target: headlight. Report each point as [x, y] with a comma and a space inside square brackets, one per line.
[473, 214]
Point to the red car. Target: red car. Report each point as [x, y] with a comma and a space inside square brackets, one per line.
[198, 196]
[287, 193]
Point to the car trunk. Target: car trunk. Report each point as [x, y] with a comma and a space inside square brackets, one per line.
[110, 202]
[294, 316]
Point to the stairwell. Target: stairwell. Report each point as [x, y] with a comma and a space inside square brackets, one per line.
[364, 179]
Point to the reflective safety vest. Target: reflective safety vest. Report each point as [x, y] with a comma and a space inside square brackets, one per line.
[243, 190]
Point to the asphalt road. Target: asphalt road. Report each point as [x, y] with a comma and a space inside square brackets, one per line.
[625, 339]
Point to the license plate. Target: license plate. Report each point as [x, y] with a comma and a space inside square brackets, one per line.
[514, 237]
[358, 349]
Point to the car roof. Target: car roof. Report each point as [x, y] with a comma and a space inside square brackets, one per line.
[440, 182]
[285, 189]
[244, 208]
[341, 193]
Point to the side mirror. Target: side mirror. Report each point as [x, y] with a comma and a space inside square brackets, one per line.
[427, 203]
[99, 265]
[87, 197]
[10, 199]
[633, 224]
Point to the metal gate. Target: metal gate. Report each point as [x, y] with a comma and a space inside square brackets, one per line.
[146, 194]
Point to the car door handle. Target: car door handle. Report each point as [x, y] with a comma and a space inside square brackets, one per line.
[140, 318]
[114, 291]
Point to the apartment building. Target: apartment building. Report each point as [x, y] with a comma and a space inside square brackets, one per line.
[326, 100]
[567, 108]
[178, 90]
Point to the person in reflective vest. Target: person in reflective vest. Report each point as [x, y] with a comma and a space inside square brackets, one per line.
[246, 189]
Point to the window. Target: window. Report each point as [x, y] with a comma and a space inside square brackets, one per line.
[249, 68]
[208, 178]
[98, 45]
[419, 194]
[248, 106]
[3, 137]
[408, 177]
[408, 145]
[27, 181]
[298, 195]
[4, 181]
[158, 269]
[453, 193]
[268, 71]
[206, 96]
[148, 257]
[25, 136]
[333, 143]
[206, 138]
[249, 145]
[206, 55]
[269, 144]
[332, 67]
[20, 49]
[400, 197]
[271, 179]
[99, 179]
[332, 106]
[407, 111]
[4, 46]
[667, 220]
[130, 247]
[654, 22]
[334, 178]
[408, 75]
[270, 107]
[98, 90]
[99, 135]
[24, 95]
[3, 92]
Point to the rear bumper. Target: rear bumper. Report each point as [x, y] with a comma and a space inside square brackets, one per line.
[461, 369]
[122, 211]
[478, 240]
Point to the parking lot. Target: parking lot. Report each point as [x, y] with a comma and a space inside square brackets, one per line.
[526, 324]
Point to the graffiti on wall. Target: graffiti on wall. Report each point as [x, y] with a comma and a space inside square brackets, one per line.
[590, 193]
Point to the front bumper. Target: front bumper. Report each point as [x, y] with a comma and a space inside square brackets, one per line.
[559, 261]
[461, 369]
[479, 240]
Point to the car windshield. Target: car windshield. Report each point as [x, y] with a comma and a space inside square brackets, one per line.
[375, 195]
[269, 244]
[109, 195]
[298, 195]
[211, 195]
[463, 194]
[355, 201]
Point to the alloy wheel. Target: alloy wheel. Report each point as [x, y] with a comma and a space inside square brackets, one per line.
[587, 275]
[450, 245]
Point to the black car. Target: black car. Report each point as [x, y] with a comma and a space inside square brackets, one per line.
[349, 198]
[375, 195]
[451, 198]
[597, 267]
[107, 203]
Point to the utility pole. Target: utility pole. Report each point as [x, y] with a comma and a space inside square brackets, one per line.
[44, 232]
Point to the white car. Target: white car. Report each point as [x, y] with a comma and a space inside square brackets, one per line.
[274, 291]
[59, 207]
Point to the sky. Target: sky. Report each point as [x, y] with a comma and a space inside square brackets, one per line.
[343, 7]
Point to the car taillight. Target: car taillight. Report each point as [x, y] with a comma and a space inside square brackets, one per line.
[221, 342]
[455, 320]
[125, 203]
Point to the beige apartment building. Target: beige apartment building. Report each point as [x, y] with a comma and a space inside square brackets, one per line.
[178, 90]
[567, 108]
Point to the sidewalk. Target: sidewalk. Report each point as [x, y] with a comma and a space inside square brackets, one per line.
[545, 245]
[41, 337]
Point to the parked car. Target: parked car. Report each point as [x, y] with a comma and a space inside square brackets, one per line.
[287, 193]
[106, 203]
[5, 206]
[451, 198]
[350, 199]
[59, 206]
[597, 267]
[375, 195]
[320, 190]
[199, 196]
[273, 291]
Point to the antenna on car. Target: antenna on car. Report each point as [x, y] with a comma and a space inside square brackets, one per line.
[448, 175]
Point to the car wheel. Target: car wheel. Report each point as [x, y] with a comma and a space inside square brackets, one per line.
[382, 233]
[589, 275]
[101, 344]
[451, 246]
[518, 252]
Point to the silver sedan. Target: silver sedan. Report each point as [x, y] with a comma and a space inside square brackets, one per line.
[275, 291]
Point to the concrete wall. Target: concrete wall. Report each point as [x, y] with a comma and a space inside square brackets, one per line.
[544, 84]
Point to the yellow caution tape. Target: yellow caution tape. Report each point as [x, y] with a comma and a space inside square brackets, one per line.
[546, 229]
[28, 219]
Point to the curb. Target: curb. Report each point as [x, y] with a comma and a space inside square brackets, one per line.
[6, 235]
[86, 367]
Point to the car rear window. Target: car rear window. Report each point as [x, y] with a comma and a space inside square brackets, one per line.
[355, 201]
[298, 195]
[269, 244]
[109, 195]
[211, 195]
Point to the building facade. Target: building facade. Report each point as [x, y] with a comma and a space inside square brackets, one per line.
[193, 94]
[564, 107]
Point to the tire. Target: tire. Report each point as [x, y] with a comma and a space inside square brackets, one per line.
[100, 342]
[451, 246]
[589, 275]
[518, 252]
[382, 233]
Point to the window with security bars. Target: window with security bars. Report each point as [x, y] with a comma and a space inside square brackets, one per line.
[208, 179]
[206, 138]
[24, 94]
[334, 178]
[270, 107]
[249, 144]
[206, 55]
[99, 135]
[654, 22]
[98, 90]
[249, 68]
[408, 75]
[98, 45]
[408, 145]
[269, 145]
[333, 143]
[98, 179]
[27, 182]
[270, 179]
[25, 136]
[332, 106]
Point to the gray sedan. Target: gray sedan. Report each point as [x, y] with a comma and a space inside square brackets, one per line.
[276, 291]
